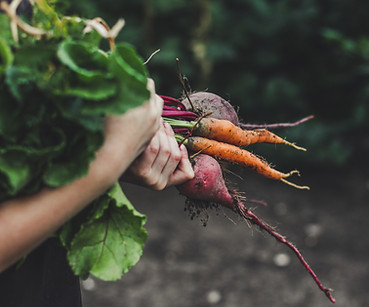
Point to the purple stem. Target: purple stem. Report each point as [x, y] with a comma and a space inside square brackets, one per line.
[166, 107]
[277, 125]
[178, 114]
[247, 214]
[173, 101]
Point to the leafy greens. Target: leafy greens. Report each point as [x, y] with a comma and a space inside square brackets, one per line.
[55, 91]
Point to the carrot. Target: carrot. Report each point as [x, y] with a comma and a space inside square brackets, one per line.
[225, 131]
[234, 154]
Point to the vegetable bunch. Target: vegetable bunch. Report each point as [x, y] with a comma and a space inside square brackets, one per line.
[211, 139]
[202, 133]
[56, 87]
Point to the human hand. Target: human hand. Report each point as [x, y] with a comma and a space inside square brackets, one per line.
[162, 164]
[137, 125]
[127, 135]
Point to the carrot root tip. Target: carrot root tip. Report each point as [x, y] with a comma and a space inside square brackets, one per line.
[296, 147]
[199, 152]
[292, 172]
[304, 187]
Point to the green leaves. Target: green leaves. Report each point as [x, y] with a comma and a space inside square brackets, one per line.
[59, 91]
[5, 33]
[89, 77]
[119, 78]
[131, 73]
[55, 93]
[16, 174]
[6, 56]
[110, 241]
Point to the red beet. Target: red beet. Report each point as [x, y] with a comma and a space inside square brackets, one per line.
[208, 185]
[206, 102]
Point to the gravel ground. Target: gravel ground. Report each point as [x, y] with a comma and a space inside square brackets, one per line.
[229, 264]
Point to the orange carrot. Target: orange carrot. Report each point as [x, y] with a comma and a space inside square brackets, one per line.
[225, 131]
[234, 154]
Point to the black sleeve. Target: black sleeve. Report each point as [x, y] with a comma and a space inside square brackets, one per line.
[43, 280]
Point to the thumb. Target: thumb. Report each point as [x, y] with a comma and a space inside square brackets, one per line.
[184, 170]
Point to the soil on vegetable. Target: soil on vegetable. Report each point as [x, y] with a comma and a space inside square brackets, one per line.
[230, 264]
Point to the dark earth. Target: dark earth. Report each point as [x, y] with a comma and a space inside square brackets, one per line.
[229, 264]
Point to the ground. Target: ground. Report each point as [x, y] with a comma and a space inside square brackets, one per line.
[229, 264]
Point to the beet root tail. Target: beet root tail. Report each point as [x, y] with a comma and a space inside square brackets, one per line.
[250, 216]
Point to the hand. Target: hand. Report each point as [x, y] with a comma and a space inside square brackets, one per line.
[162, 164]
[127, 135]
[138, 124]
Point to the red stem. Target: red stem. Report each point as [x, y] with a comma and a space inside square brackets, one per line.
[177, 114]
[247, 214]
[277, 125]
[173, 101]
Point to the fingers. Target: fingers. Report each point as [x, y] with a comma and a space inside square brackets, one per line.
[174, 157]
[172, 165]
[167, 157]
[184, 171]
[163, 163]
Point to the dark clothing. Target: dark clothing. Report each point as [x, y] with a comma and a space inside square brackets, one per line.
[43, 280]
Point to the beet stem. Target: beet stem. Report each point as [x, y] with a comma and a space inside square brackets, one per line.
[183, 85]
[174, 101]
[247, 214]
[277, 125]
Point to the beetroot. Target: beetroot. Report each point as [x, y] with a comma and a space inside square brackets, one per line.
[209, 185]
[206, 102]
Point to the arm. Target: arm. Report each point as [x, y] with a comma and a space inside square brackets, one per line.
[26, 222]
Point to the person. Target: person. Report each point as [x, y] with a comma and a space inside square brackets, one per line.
[138, 148]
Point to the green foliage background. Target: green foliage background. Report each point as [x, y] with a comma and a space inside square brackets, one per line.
[278, 61]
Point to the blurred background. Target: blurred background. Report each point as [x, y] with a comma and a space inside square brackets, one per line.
[276, 61]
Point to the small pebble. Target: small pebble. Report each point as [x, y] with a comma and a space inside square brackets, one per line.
[313, 230]
[214, 297]
[281, 260]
